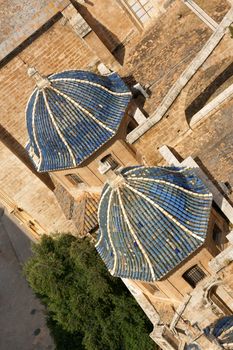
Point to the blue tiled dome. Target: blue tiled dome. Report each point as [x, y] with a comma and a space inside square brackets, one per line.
[222, 330]
[151, 219]
[73, 116]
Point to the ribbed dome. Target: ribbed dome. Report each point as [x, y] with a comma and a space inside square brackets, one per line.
[72, 116]
[151, 219]
[222, 330]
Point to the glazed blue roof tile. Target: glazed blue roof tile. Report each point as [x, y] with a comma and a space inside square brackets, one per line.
[150, 220]
[223, 325]
[222, 330]
[73, 117]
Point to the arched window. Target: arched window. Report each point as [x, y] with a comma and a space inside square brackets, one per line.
[219, 296]
[74, 179]
[194, 275]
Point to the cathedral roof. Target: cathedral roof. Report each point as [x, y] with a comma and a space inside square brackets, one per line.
[82, 210]
[20, 19]
[70, 115]
[150, 220]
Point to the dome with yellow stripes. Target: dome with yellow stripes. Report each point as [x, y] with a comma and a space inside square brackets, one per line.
[71, 114]
[150, 220]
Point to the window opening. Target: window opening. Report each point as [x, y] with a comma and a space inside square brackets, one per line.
[74, 179]
[107, 163]
[131, 126]
[143, 9]
[217, 234]
[194, 275]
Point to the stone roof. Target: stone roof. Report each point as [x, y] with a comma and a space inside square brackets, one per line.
[71, 114]
[82, 211]
[65, 200]
[151, 219]
[20, 19]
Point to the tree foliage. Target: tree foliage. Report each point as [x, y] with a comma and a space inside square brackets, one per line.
[83, 298]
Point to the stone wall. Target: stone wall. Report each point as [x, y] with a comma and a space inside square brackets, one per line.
[108, 19]
[31, 194]
[57, 49]
[174, 129]
[89, 173]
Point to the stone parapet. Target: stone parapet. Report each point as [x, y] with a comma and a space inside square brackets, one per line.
[222, 260]
[212, 106]
[175, 90]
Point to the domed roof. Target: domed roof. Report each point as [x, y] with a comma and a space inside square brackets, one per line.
[150, 220]
[222, 330]
[72, 114]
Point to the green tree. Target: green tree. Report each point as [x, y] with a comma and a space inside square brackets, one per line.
[83, 298]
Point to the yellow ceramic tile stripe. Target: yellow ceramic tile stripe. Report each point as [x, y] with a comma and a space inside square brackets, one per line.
[93, 84]
[58, 130]
[82, 109]
[194, 194]
[34, 131]
[109, 234]
[29, 100]
[135, 236]
[164, 212]
[100, 203]
[152, 166]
